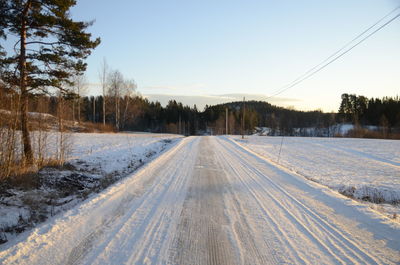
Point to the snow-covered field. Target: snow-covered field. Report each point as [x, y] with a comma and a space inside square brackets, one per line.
[208, 200]
[95, 161]
[366, 169]
[116, 152]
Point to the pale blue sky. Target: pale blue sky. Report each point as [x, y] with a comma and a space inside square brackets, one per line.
[203, 48]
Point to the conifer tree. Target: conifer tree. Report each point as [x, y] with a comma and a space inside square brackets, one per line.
[47, 48]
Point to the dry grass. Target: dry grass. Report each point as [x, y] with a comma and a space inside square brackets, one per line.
[28, 179]
[46, 152]
[365, 133]
[97, 127]
[369, 194]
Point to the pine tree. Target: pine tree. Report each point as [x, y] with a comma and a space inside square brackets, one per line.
[49, 47]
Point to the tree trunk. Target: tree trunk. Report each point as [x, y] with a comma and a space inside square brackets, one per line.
[79, 110]
[243, 118]
[117, 111]
[73, 110]
[103, 81]
[26, 140]
[104, 108]
[226, 121]
[125, 111]
[61, 147]
[94, 109]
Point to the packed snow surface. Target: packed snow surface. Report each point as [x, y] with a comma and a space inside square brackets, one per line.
[208, 200]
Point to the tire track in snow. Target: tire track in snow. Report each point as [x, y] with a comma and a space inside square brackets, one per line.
[335, 239]
[214, 228]
[85, 245]
[202, 234]
[284, 241]
[246, 225]
[143, 236]
[311, 234]
[99, 229]
[292, 218]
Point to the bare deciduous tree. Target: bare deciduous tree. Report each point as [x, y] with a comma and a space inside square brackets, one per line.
[128, 93]
[103, 74]
[115, 86]
[80, 89]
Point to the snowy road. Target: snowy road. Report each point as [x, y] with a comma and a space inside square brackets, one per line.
[210, 201]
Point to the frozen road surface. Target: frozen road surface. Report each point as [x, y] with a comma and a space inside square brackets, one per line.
[209, 200]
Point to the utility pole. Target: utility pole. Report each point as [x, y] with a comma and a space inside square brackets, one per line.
[226, 121]
[244, 113]
[179, 125]
[94, 109]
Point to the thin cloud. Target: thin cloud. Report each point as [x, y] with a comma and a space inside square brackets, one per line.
[160, 87]
[202, 100]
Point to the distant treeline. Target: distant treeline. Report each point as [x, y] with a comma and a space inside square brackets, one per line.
[262, 114]
[383, 112]
[136, 113]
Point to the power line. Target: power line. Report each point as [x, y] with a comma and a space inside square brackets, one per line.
[328, 61]
[346, 45]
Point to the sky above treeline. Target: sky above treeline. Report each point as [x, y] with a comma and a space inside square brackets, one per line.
[207, 52]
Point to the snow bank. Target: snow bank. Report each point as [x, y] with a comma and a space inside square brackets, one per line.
[113, 152]
[95, 162]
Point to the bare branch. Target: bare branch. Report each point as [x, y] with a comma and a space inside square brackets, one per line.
[43, 43]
